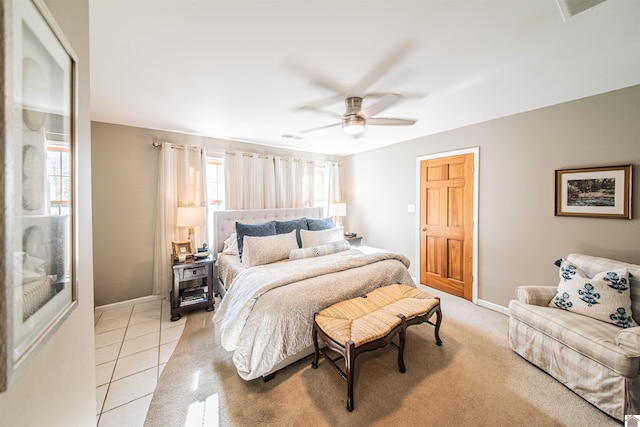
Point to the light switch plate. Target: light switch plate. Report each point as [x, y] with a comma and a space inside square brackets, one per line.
[411, 208]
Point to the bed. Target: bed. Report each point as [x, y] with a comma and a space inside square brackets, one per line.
[266, 314]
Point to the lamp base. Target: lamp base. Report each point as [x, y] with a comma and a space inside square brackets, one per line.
[192, 236]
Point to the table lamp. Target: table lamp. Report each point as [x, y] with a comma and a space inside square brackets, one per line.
[338, 210]
[192, 216]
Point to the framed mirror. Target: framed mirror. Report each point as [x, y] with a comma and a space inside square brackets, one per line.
[38, 181]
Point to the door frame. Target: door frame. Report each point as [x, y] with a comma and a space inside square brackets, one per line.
[476, 187]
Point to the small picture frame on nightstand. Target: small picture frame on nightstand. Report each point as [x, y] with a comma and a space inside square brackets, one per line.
[179, 245]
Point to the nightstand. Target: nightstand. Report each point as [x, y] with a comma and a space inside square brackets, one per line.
[188, 293]
[355, 241]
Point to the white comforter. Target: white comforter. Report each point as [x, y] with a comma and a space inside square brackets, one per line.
[267, 314]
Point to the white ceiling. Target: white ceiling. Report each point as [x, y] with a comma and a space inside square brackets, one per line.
[234, 69]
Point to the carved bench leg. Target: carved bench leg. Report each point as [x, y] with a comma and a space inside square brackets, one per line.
[437, 326]
[350, 365]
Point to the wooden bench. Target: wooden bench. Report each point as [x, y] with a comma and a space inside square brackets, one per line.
[370, 322]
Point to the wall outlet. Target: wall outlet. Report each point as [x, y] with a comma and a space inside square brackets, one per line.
[411, 208]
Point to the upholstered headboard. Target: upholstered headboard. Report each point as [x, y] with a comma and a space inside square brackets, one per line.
[224, 222]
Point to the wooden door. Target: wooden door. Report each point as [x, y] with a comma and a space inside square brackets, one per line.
[446, 224]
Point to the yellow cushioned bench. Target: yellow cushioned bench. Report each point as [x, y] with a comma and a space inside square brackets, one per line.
[370, 322]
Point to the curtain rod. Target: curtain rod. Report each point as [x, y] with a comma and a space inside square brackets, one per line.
[286, 159]
[180, 147]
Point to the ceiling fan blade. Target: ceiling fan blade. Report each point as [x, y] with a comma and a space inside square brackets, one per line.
[406, 95]
[331, 100]
[315, 78]
[385, 102]
[381, 69]
[321, 111]
[386, 121]
[321, 127]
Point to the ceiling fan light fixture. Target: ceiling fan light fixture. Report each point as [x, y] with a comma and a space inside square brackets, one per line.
[353, 125]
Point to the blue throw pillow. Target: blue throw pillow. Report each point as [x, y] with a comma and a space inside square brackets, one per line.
[262, 229]
[320, 224]
[284, 227]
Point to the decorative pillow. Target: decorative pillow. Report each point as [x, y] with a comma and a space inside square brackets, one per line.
[263, 229]
[320, 224]
[605, 297]
[231, 245]
[283, 227]
[321, 237]
[314, 251]
[268, 249]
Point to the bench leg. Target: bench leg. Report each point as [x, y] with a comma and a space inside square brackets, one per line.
[350, 365]
[314, 337]
[402, 337]
[437, 326]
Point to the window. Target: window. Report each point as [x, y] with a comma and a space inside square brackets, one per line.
[58, 169]
[215, 189]
[215, 184]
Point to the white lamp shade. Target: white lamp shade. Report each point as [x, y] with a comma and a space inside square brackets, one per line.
[338, 209]
[192, 216]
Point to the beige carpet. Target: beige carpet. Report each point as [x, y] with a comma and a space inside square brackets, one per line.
[472, 379]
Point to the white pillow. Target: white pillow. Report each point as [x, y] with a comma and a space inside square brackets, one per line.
[605, 296]
[321, 237]
[260, 250]
[314, 251]
[231, 245]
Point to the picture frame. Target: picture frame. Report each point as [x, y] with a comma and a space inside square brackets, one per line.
[176, 246]
[37, 228]
[598, 192]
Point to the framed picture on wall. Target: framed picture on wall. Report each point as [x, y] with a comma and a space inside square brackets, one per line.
[602, 192]
[38, 134]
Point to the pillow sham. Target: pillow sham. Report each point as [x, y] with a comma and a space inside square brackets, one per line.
[267, 249]
[321, 237]
[605, 297]
[231, 245]
[320, 224]
[263, 229]
[298, 224]
[315, 251]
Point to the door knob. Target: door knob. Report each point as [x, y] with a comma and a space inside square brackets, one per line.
[424, 228]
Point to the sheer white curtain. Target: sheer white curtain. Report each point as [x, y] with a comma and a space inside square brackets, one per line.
[181, 182]
[332, 185]
[249, 181]
[294, 182]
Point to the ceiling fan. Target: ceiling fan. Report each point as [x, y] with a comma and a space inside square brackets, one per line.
[355, 118]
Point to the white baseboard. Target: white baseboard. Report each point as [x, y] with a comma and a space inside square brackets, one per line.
[494, 307]
[140, 300]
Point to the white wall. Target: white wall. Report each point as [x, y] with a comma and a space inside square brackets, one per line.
[519, 236]
[57, 385]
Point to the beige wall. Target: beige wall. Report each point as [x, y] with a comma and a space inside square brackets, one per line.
[56, 387]
[125, 171]
[519, 236]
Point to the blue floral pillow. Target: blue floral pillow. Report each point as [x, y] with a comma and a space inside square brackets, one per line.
[605, 296]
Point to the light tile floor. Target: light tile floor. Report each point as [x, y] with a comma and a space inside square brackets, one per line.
[134, 341]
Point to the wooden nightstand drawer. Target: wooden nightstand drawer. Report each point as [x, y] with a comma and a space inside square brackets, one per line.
[194, 273]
